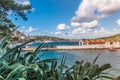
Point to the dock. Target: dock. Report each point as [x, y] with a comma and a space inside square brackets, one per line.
[70, 48]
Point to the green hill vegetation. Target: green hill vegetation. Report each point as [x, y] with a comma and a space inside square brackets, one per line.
[117, 37]
[50, 38]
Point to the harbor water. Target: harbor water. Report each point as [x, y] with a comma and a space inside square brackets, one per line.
[106, 56]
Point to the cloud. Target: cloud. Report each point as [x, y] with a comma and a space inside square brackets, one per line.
[103, 32]
[62, 27]
[89, 12]
[118, 22]
[87, 25]
[80, 30]
[75, 24]
[77, 31]
[31, 29]
[23, 2]
[58, 33]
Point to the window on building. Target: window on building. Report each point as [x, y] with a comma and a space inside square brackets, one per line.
[111, 43]
[84, 43]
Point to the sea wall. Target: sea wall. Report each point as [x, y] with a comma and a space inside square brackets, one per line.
[88, 47]
[73, 47]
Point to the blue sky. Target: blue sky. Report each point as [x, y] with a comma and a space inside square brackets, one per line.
[72, 18]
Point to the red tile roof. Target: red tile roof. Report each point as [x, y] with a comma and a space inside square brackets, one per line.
[98, 41]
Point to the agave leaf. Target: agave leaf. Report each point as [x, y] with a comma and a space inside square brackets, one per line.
[38, 75]
[92, 72]
[17, 56]
[22, 45]
[70, 68]
[69, 76]
[28, 57]
[54, 65]
[36, 67]
[12, 51]
[40, 70]
[80, 67]
[1, 78]
[86, 78]
[14, 66]
[4, 72]
[28, 54]
[84, 70]
[38, 57]
[48, 60]
[99, 71]
[108, 77]
[106, 73]
[7, 37]
[38, 49]
[12, 57]
[95, 59]
[86, 67]
[61, 68]
[21, 79]
[76, 71]
[4, 45]
[15, 73]
[104, 67]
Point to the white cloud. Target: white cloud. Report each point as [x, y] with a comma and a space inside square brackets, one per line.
[75, 24]
[95, 9]
[84, 28]
[26, 3]
[90, 25]
[118, 22]
[31, 29]
[103, 32]
[80, 30]
[58, 33]
[90, 11]
[62, 27]
[23, 2]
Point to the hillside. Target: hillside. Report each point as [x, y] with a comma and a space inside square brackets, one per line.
[117, 37]
[50, 38]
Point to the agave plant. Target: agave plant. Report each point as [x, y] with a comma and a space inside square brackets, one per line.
[16, 65]
[13, 65]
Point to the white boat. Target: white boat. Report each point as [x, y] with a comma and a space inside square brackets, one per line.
[112, 49]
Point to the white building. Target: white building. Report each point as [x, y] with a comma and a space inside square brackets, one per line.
[100, 43]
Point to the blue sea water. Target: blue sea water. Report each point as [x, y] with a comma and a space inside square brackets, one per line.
[55, 43]
[106, 56]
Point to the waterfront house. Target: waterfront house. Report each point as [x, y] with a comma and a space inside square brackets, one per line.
[100, 43]
[93, 44]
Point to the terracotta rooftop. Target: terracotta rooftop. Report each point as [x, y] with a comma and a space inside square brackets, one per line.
[98, 41]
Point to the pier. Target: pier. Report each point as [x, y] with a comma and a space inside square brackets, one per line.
[88, 47]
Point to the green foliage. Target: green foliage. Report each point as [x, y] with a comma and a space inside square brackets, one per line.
[114, 37]
[11, 7]
[41, 38]
[17, 65]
